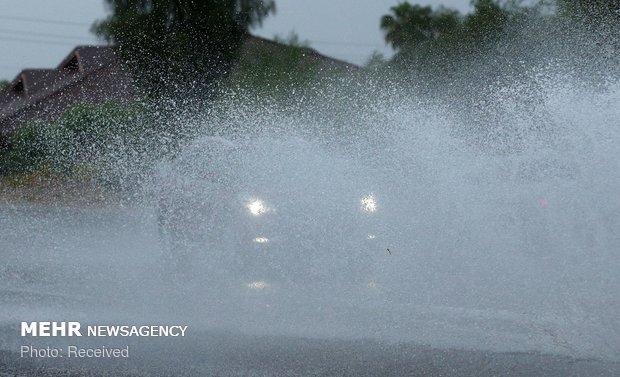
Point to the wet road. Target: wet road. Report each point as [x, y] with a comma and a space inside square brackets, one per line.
[103, 266]
[226, 354]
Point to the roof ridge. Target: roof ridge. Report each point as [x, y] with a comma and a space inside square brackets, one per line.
[37, 97]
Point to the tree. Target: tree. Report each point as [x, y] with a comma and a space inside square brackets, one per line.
[375, 61]
[486, 22]
[275, 67]
[439, 38]
[598, 16]
[413, 25]
[111, 143]
[180, 47]
[28, 151]
[591, 8]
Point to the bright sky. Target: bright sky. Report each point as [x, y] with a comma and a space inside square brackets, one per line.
[40, 33]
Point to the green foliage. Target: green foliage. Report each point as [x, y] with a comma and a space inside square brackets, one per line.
[598, 17]
[429, 39]
[26, 178]
[180, 47]
[292, 40]
[29, 149]
[375, 61]
[486, 23]
[272, 68]
[593, 9]
[112, 143]
[4, 84]
[436, 43]
[413, 25]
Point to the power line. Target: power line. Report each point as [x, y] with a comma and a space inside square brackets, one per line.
[64, 36]
[45, 35]
[352, 44]
[42, 20]
[75, 23]
[38, 41]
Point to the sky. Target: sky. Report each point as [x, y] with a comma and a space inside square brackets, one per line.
[40, 33]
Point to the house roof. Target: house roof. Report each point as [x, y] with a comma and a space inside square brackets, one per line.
[30, 84]
[325, 62]
[27, 96]
[89, 58]
[88, 74]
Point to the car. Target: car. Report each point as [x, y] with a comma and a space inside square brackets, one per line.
[242, 218]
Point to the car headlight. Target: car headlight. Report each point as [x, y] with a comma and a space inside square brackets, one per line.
[369, 203]
[256, 207]
[258, 285]
[261, 240]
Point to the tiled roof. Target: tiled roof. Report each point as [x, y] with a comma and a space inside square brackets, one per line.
[87, 74]
[326, 62]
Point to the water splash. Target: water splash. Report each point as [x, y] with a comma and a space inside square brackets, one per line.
[483, 218]
[428, 224]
